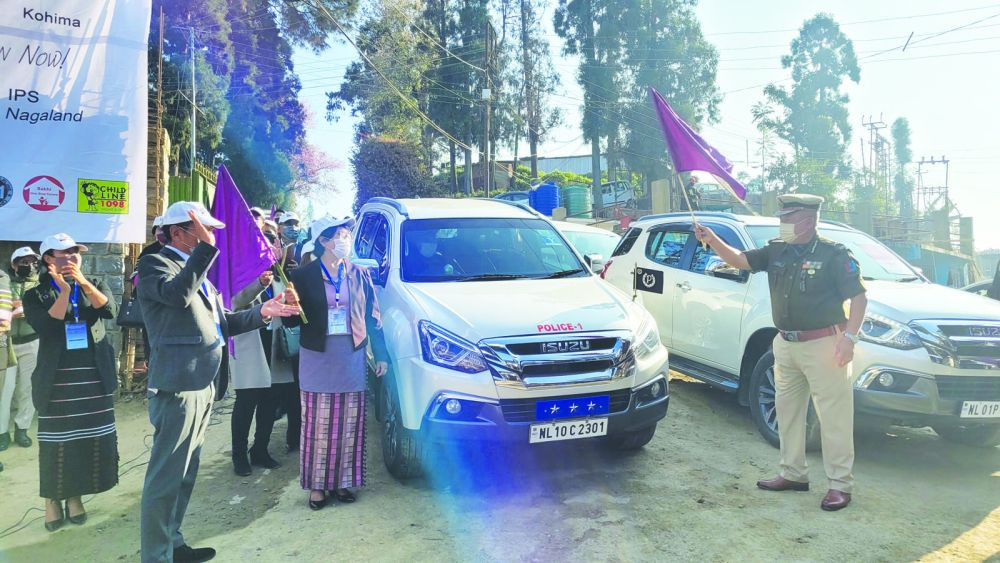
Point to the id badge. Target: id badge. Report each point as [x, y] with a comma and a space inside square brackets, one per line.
[336, 320]
[76, 336]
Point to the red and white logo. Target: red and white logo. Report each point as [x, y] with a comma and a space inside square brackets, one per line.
[44, 193]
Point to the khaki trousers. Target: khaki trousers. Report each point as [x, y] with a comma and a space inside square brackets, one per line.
[801, 370]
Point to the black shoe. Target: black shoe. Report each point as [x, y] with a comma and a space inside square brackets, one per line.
[56, 524]
[241, 465]
[263, 459]
[188, 554]
[345, 496]
[4, 441]
[79, 519]
[21, 438]
[317, 504]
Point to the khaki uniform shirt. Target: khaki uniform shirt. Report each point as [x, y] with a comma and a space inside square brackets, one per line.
[809, 282]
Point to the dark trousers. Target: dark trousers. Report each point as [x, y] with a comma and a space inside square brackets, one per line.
[251, 402]
[180, 421]
[288, 395]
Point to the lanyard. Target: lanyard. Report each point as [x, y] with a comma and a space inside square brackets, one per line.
[74, 299]
[336, 284]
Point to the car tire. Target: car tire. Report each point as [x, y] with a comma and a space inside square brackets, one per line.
[401, 448]
[977, 435]
[763, 409]
[633, 440]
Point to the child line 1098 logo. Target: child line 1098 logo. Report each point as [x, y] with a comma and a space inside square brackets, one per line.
[44, 193]
[102, 196]
[6, 191]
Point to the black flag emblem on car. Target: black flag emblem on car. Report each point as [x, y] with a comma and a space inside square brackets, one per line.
[649, 280]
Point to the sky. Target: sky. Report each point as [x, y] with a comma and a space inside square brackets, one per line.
[945, 83]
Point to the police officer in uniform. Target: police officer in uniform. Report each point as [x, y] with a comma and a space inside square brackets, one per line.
[811, 281]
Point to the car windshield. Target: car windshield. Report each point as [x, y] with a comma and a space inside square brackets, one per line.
[446, 250]
[877, 262]
[587, 243]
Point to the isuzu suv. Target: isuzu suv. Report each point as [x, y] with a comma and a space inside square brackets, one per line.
[499, 331]
[929, 355]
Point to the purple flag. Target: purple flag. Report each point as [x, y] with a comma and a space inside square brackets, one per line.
[244, 253]
[274, 212]
[689, 151]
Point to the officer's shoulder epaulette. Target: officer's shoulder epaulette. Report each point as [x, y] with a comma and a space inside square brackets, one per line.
[776, 240]
[832, 243]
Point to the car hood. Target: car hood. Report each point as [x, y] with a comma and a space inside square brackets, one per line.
[906, 302]
[490, 309]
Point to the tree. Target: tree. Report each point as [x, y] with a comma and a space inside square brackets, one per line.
[903, 183]
[390, 168]
[538, 81]
[814, 116]
[762, 114]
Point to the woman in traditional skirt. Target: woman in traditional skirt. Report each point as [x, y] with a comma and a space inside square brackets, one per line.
[338, 299]
[73, 383]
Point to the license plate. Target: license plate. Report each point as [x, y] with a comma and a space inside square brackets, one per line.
[981, 409]
[568, 430]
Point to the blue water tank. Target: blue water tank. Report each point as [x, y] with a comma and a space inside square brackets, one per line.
[545, 198]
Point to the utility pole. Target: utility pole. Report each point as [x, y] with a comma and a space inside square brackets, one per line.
[874, 172]
[194, 107]
[489, 63]
[531, 94]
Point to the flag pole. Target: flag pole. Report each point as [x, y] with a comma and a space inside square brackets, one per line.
[694, 220]
[284, 280]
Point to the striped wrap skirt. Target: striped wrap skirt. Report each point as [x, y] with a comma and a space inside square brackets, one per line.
[77, 439]
[332, 450]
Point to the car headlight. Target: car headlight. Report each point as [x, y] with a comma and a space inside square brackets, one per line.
[887, 332]
[448, 350]
[647, 338]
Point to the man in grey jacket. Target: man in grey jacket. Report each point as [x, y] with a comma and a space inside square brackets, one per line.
[188, 329]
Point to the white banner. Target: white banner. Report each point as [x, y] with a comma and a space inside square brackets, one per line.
[73, 94]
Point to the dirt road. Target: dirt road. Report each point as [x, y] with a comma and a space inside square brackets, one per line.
[689, 495]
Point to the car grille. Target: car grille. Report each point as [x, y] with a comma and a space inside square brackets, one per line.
[961, 344]
[559, 359]
[523, 410]
[969, 388]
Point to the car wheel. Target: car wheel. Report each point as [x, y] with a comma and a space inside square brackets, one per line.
[978, 435]
[763, 408]
[630, 440]
[401, 449]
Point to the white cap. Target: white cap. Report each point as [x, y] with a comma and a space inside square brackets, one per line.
[258, 211]
[308, 247]
[158, 221]
[60, 241]
[22, 252]
[287, 216]
[177, 213]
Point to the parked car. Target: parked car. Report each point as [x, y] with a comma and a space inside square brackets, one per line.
[979, 288]
[593, 243]
[617, 193]
[517, 197]
[928, 357]
[498, 332]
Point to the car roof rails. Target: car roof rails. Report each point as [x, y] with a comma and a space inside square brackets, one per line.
[517, 204]
[391, 203]
[710, 214]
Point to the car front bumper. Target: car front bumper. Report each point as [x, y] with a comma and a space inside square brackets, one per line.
[483, 420]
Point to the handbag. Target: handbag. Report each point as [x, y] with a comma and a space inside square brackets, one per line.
[130, 314]
[288, 342]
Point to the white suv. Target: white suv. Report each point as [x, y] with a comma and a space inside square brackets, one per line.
[929, 356]
[498, 331]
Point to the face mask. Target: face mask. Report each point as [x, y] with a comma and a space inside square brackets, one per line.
[342, 248]
[25, 270]
[788, 232]
[290, 233]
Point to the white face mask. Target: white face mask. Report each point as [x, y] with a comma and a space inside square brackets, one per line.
[786, 232]
[342, 248]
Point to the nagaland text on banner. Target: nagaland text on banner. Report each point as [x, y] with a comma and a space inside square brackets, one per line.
[73, 111]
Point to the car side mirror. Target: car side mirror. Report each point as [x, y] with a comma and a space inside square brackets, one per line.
[377, 273]
[718, 268]
[595, 262]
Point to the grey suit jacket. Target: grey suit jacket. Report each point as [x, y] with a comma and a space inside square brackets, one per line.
[186, 351]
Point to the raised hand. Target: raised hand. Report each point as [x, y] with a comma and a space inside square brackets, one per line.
[200, 231]
[57, 277]
[275, 308]
[290, 296]
[704, 234]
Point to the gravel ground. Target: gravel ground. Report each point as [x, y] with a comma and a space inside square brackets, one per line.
[689, 495]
